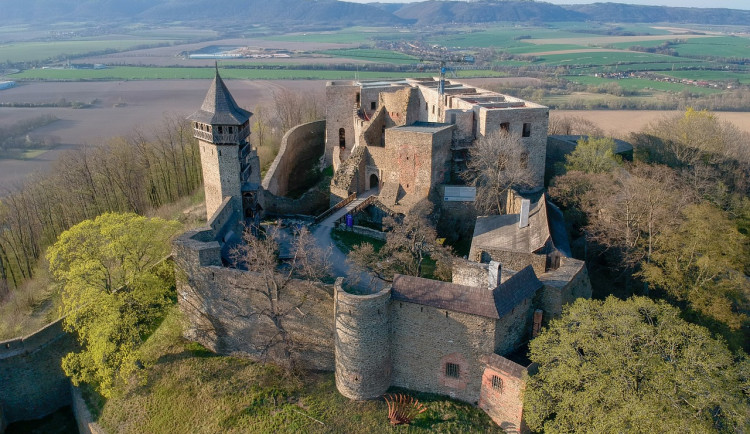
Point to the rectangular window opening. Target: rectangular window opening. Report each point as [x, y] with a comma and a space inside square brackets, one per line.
[452, 370]
[526, 130]
[497, 383]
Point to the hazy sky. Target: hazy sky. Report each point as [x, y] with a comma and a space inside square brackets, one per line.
[732, 4]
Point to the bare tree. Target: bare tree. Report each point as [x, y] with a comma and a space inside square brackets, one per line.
[409, 242]
[572, 125]
[259, 254]
[497, 163]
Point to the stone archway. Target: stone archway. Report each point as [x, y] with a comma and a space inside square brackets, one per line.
[374, 182]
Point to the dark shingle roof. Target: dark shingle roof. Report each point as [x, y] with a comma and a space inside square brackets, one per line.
[219, 108]
[467, 299]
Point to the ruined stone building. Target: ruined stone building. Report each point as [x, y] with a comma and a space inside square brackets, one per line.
[405, 137]
[405, 140]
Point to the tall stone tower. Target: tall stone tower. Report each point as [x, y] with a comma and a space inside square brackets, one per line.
[230, 165]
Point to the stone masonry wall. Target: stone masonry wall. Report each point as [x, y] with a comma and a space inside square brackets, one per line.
[341, 101]
[562, 286]
[221, 174]
[32, 382]
[513, 329]
[362, 343]
[511, 260]
[223, 307]
[425, 338]
[301, 147]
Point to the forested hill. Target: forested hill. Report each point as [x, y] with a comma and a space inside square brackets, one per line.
[440, 12]
[338, 13]
[210, 13]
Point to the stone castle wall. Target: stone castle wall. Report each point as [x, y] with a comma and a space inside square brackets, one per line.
[224, 309]
[426, 338]
[564, 285]
[301, 147]
[362, 343]
[32, 382]
[220, 183]
[341, 100]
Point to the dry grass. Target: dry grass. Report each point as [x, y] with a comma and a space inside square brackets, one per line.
[192, 390]
[31, 306]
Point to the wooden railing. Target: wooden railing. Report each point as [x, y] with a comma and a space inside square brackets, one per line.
[352, 197]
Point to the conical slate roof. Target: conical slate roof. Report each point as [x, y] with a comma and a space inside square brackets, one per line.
[219, 108]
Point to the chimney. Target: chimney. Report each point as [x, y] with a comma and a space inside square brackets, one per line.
[524, 220]
[493, 274]
[537, 327]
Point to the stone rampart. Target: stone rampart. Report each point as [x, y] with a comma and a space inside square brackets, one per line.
[84, 419]
[312, 202]
[301, 148]
[362, 343]
[226, 310]
[32, 382]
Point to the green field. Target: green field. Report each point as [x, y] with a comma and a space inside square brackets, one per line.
[743, 78]
[532, 48]
[147, 73]
[729, 46]
[381, 56]
[351, 35]
[604, 58]
[40, 51]
[641, 84]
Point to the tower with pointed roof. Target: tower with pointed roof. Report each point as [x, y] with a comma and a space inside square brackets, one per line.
[230, 164]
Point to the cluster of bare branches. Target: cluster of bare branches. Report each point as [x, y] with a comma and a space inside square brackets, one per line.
[259, 253]
[497, 163]
[409, 242]
[131, 174]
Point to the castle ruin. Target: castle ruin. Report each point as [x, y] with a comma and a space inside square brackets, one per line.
[402, 141]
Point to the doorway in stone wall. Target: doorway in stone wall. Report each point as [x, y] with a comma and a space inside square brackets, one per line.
[373, 181]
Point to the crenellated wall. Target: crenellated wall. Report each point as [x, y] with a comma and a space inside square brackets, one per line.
[301, 149]
[32, 382]
[362, 343]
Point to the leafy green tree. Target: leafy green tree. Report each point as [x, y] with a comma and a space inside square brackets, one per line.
[114, 288]
[634, 366]
[593, 155]
[702, 262]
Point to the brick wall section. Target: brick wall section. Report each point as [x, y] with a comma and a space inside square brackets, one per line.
[301, 148]
[362, 343]
[32, 382]
[503, 400]
[223, 309]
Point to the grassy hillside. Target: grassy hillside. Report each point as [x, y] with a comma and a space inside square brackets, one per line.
[188, 389]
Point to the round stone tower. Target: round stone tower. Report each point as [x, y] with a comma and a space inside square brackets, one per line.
[362, 343]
